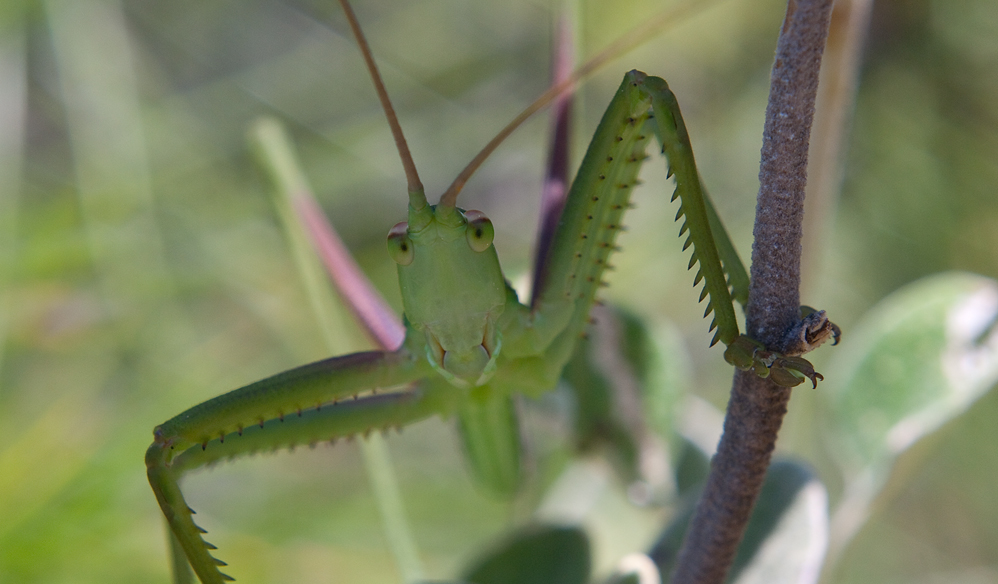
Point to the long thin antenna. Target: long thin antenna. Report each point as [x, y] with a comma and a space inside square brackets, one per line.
[417, 197]
[618, 48]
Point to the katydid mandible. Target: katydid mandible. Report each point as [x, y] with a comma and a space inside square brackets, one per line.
[470, 344]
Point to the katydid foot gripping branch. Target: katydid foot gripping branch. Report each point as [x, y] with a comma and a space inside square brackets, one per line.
[470, 344]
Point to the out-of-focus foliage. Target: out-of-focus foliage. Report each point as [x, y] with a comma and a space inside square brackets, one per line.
[541, 555]
[142, 269]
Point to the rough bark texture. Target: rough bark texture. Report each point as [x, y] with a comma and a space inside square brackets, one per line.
[757, 406]
[774, 295]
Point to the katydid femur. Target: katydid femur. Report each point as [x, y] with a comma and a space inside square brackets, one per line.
[469, 343]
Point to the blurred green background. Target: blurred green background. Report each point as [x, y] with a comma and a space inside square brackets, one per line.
[142, 269]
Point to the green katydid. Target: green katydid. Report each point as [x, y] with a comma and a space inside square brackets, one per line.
[470, 344]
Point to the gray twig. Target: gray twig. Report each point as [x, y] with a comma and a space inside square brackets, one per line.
[757, 406]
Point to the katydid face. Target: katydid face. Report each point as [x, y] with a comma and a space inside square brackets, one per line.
[444, 252]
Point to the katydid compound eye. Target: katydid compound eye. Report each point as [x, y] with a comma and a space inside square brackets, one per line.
[480, 231]
[399, 244]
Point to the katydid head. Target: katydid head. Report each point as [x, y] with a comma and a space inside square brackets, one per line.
[444, 252]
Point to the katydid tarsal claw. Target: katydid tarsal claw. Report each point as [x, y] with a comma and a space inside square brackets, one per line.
[470, 345]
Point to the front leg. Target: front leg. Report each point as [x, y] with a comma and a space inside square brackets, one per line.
[295, 407]
[787, 367]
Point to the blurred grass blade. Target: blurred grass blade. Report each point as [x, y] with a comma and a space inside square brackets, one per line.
[104, 118]
[369, 309]
[290, 188]
[13, 101]
[840, 66]
[918, 359]
[181, 568]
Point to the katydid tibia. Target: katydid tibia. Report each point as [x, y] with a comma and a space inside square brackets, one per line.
[470, 344]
